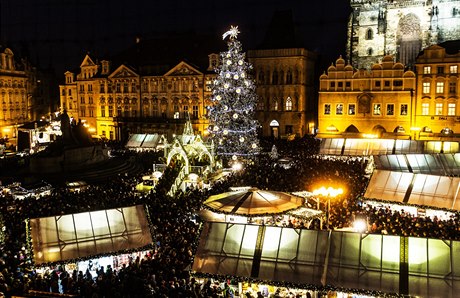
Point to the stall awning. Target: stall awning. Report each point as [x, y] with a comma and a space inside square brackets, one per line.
[135, 140]
[341, 259]
[72, 236]
[419, 189]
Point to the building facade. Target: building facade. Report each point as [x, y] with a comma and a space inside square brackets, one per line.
[113, 103]
[437, 110]
[285, 90]
[379, 101]
[401, 28]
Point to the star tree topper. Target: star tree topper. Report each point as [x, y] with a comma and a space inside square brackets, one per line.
[233, 32]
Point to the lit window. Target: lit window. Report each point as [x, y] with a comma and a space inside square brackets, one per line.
[453, 69]
[195, 112]
[426, 87]
[425, 109]
[185, 109]
[275, 105]
[208, 85]
[438, 110]
[377, 109]
[427, 70]
[451, 109]
[439, 87]
[404, 108]
[339, 109]
[288, 104]
[390, 109]
[351, 109]
[327, 109]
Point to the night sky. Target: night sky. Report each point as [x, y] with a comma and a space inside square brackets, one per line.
[58, 33]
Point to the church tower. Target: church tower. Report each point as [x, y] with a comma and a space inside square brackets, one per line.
[401, 28]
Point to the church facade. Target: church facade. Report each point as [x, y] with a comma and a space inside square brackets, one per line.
[401, 28]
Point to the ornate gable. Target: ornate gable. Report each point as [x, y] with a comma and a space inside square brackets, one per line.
[123, 72]
[183, 69]
[87, 61]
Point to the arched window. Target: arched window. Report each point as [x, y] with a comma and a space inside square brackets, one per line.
[369, 34]
[288, 104]
[281, 78]
[288, 77]
[370, 51]
[261, 77]
[275, 104]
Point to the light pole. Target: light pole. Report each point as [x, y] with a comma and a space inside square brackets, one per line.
[328, 193]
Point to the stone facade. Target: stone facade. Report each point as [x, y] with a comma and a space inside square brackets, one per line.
[377, 101]
[285, 90]
[401, 28]
[437, 111]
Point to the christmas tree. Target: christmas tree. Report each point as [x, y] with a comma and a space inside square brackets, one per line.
[232, 125]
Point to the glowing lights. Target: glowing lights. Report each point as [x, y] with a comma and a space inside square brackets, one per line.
[235, 116]
[229, 62]
[237, 166]
[370, 136]
[218, 97]
[240, 62]
[328, 192]
[241, 139]
[254, 145]
[360, 226]
[234, 157]
[238, 90]
[236, 77]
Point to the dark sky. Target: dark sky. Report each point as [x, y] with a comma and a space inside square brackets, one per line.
[58, 33]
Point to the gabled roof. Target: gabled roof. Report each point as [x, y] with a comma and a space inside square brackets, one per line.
[183, 68]
[123, 71]
[87, 61]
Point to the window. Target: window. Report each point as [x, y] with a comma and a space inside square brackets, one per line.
[111, 136]
[369, 34]
[439, 87]
[125, 87]
[426, 87]
[438, 110]
[195, 112]
[82, 112]
[397, 83]
[90, 100]
[102, 88]
[451, 109]
[103, 133]
[377, 83]
[185, 110]
[452, 87]
[453, 69]
[332, 85]
[82, 88]
[119, 113]
[110, 111]
[327, 109]
[208, 85]
[427, 70]
[347, 84]
[133, 87]
[275, 105]
[109, 87]
[340, 84]
[82, 100]
[102, 111]
[339, 109]
[63, 92]
[370, 51]
[275, 78]
[70, 92]
[288, 104]
[425, 109]
[117, 86]
[90, 87]
[377, 109]
[351, 109]
[404, 109]
[440, 69]
[386, 83]
[390, 109]
[288, 77]
[91, 112]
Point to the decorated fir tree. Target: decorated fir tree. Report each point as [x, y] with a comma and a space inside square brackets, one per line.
[232, 125]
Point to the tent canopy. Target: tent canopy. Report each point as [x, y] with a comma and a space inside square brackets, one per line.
[253, 201]
[72, 236]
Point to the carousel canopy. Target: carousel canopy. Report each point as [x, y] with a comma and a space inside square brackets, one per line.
[72, 236]
[253, 201]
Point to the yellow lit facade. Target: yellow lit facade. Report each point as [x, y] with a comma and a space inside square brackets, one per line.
[15, 88]
[375, 102]
[115, 102]
[437, 112]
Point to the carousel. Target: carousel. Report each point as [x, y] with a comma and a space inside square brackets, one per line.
[250, 205]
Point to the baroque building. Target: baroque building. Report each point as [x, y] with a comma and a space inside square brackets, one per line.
[379, 101]
[401, 28]
[437, 109]
[285, 90]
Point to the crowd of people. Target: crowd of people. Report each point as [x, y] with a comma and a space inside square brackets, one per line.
[165, 270]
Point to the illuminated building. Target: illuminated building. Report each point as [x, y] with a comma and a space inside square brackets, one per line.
[377, 101]
[399, 28]
[284, 79]
[437, 111]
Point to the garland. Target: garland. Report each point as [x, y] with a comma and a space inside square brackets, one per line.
[319, 288]
[409, 204]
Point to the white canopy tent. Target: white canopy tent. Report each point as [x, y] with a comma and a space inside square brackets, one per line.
[341, 259]
[419, 189]
[72, 236]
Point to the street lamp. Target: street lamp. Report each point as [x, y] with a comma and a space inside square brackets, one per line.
[329, 193]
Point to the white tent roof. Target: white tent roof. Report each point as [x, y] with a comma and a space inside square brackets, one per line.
[135, 140]
[151, 141]
[351, 260]
[71, 236]
[419, 189]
